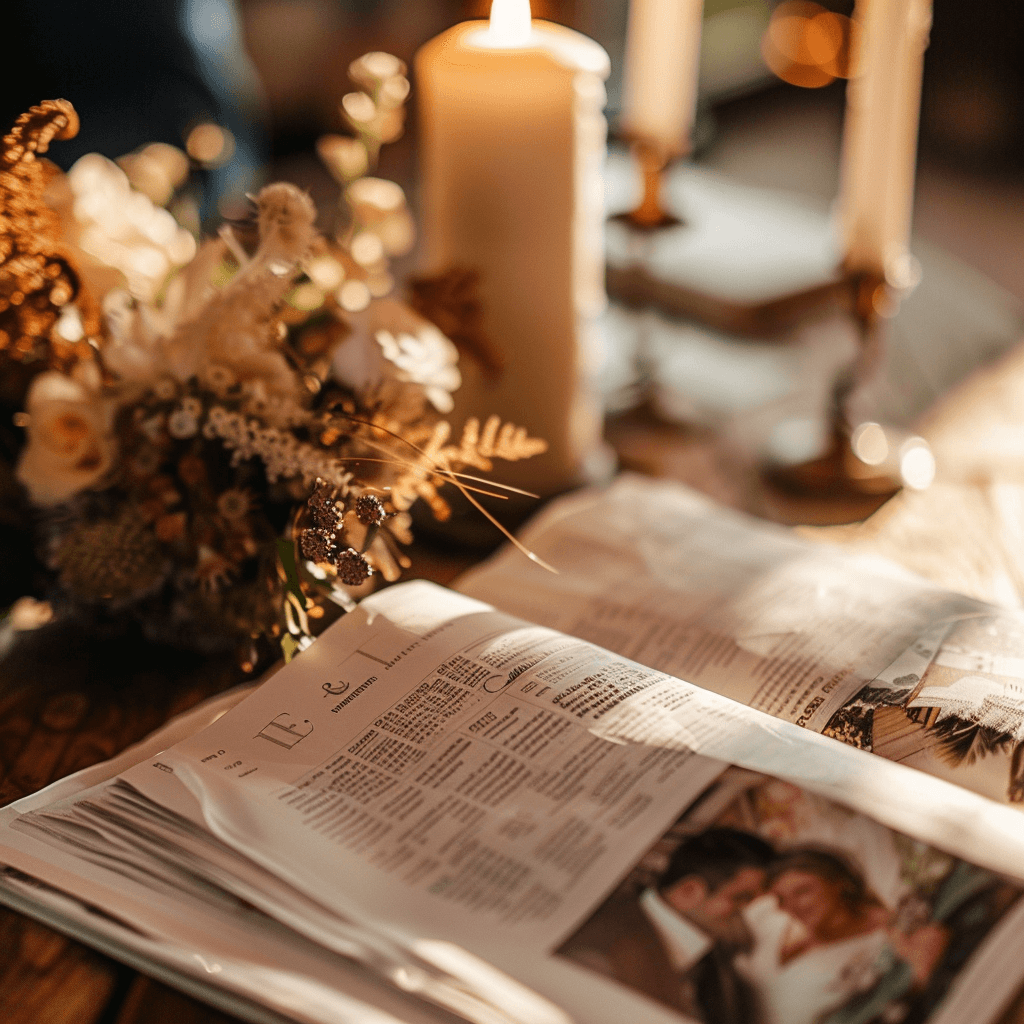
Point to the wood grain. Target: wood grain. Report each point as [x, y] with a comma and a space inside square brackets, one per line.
[47, 979]
[150, 1002]
[70, 696]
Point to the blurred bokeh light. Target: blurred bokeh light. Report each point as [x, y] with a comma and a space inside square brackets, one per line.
[807, 45]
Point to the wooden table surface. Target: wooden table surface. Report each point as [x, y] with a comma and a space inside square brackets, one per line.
[68, 700]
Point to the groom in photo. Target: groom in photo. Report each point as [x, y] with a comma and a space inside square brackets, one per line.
[678, 941]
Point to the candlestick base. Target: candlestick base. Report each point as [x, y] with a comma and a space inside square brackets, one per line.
[745, 322]
[839, 472]
[650, 213]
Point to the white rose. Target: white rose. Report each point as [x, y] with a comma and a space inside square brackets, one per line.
[70, 441]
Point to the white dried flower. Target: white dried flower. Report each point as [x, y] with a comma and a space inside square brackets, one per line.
[132, 350]
[219, 379]
[234, 503]
[426, 358]
[391, 341]
[283, 457]
[165, 389]
[182, 424]
[122, 228]
[153, 428]
[379, 205]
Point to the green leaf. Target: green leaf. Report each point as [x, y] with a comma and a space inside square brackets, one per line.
[289, 647]
[286, 552]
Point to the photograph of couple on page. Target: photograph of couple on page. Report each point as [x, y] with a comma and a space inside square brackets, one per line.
[766, 904]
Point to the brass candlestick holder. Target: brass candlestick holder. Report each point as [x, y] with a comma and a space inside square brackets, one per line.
[866, 457]
[751, 269]
[650, 213]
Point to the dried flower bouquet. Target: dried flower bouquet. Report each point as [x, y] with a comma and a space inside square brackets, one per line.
[221, 438]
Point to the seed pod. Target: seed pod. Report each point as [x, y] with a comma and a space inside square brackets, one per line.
[369, 510]
[352, 568]
[317, 546]
[322, 495]
[327, 517]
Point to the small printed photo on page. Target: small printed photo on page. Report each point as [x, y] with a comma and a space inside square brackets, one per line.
[767, 904]
[960, 717]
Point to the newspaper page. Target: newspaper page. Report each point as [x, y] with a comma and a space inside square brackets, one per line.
[848, 645]
[214, 946]
[447, 778]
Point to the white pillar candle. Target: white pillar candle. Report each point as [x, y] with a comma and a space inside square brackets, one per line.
[660, 76]
[512, 142]
[880, 137]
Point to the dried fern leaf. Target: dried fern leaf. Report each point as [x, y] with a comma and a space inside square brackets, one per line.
[496, 441]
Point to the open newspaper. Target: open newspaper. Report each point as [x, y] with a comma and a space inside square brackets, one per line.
[851, 646]
[443, 812]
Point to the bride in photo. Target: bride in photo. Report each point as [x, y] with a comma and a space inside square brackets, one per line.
[818, 943]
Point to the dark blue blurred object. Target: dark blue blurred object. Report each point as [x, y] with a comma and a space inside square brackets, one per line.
[139, 72]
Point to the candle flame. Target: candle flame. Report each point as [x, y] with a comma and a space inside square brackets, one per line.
[510, 23]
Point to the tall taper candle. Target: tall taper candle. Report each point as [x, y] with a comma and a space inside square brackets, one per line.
[512, 141]
[660, 75]
[880, 137]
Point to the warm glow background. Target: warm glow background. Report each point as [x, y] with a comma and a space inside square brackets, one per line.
[772, 81]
